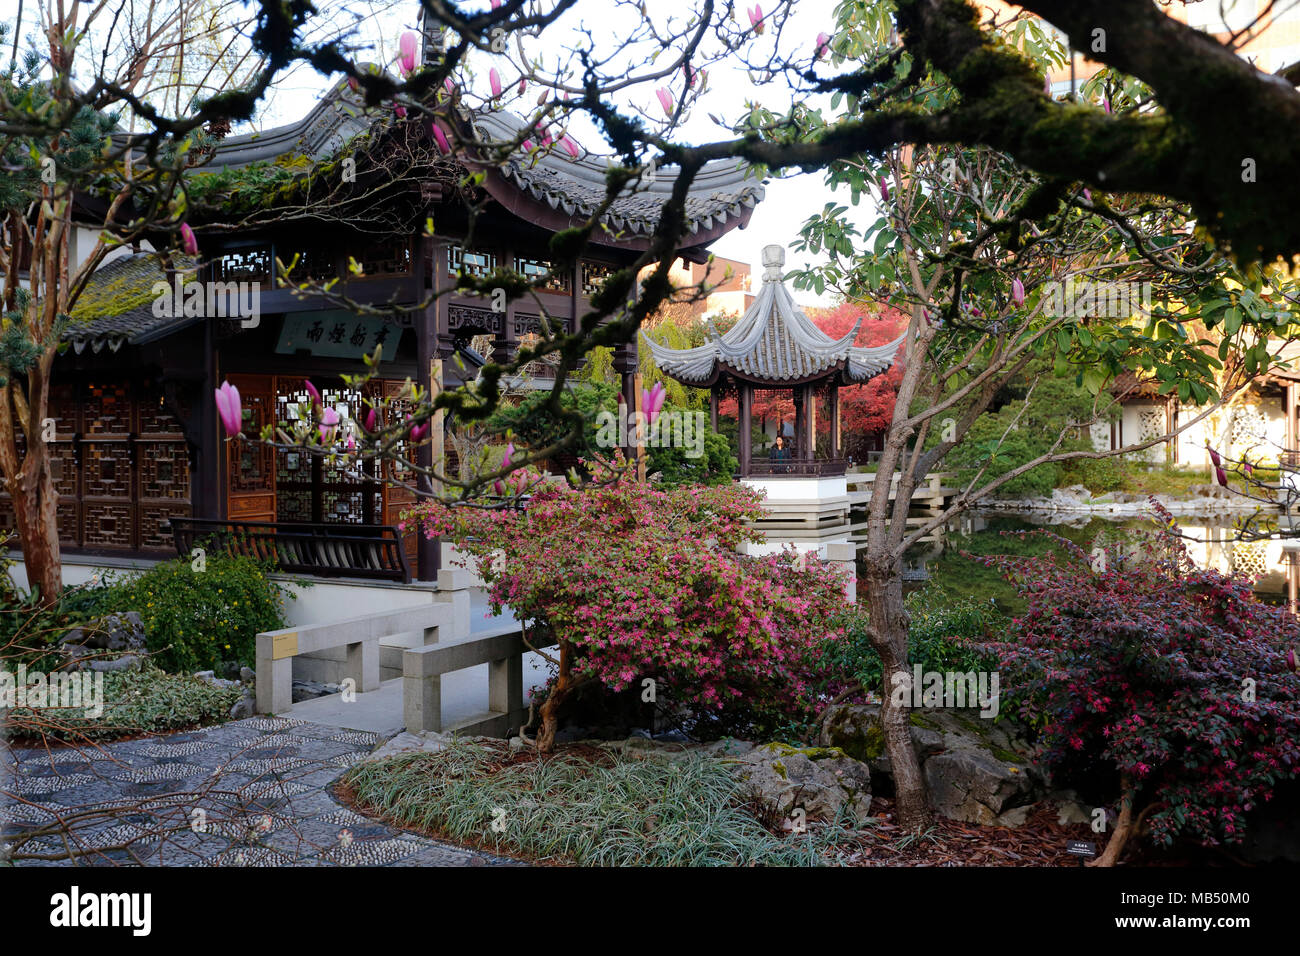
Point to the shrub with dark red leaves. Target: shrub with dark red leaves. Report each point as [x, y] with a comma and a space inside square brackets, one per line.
[1168, 680]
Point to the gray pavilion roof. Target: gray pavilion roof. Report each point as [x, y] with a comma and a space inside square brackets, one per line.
[723, 190]
[775, 342]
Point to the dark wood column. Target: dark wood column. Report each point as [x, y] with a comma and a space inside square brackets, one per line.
[713, 406]
[800, 422]
[835, 420]
[745, 405]
[428, 551]
[207, 493]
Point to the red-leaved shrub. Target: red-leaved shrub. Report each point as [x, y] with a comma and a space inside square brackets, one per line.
[1166, 680]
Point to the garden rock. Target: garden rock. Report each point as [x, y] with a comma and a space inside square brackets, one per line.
[310, 689]
[429, 741]
[127, 662]
[973, 786]
[112, 632]
[823, 781]
[246, 706]
[975, 770]
[1069, 809]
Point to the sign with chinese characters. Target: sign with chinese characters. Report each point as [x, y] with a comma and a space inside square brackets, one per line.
[337, 334]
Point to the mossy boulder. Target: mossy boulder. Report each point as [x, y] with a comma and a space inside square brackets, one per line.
[822, 782]
[977, 770]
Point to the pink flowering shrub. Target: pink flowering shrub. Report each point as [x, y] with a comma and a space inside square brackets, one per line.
[1167, 683]
[637, 582]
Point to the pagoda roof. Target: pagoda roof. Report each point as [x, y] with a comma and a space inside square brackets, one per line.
[546, 186]
[775, 343]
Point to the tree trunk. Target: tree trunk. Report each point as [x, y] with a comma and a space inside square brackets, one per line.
[1125, 827]
[551, 708]
[36, 513]
[888, 618]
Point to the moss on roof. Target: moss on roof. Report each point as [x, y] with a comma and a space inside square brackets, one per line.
[124, 285]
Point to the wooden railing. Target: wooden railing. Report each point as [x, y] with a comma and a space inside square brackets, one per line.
[795, 467]
[326, 550]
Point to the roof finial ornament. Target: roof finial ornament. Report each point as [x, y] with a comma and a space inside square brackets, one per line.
[773, 260]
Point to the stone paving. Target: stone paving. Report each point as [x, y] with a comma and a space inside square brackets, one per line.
[251, 792]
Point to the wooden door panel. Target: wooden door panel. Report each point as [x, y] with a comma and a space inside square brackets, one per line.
[250, 468]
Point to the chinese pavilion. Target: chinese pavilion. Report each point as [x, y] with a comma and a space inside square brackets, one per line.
[776, 346]
[138, 442]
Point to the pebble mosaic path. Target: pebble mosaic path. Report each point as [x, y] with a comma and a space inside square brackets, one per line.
[251, 792]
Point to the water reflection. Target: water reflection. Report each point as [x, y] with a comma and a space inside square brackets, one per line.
[1211, 542]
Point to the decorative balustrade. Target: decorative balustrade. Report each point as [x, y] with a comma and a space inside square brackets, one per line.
[325, 550]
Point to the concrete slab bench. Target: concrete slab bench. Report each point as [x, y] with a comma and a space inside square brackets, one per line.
[502, 649]
[360, 636]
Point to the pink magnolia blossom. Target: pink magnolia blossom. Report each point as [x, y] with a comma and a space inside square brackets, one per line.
[313, 392]
[408, 46]
[494, 80]
[188, 242]
[665, 100]
[823, 45]
[756, 18]
[569, 146]
[1017, 292]
[329, 423]
[440, 138]
[230, 409]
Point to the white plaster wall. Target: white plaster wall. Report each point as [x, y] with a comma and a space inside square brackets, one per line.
[799, 489]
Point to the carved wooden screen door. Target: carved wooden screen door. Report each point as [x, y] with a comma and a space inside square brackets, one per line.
[250, 468]
[283, 485]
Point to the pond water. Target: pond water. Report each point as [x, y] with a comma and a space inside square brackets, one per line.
[1211, 542]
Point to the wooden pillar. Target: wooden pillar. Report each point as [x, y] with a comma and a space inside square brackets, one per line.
[800, 417]
[713, 406]
[427, 364]
[208, 494]
[745, 403]
[835, 420]
[810, 420]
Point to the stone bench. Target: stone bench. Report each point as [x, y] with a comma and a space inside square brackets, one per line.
[502, 649]
[361, 637]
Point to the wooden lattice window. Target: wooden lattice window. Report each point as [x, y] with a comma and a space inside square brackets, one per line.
[120, 464]
[386, 259]
[243, 265]
[535, 270]
[470, 262]
[594, 275]
[312, 264]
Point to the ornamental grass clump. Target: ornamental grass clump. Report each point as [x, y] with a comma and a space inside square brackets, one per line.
[641, 809]
[1164, 682]
[636, 583]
